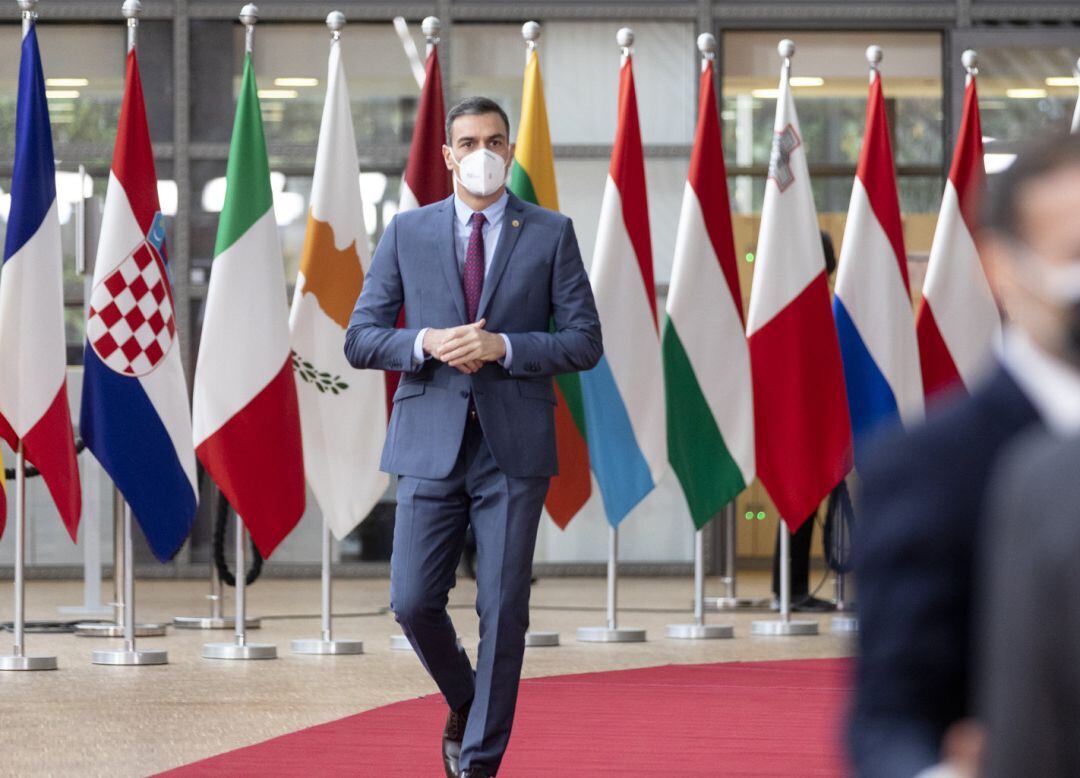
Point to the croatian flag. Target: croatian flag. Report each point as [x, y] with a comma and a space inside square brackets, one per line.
[33, 357]
[135, 414]
[872, 307]
[624, 393]
[801, 421]
[958, 322]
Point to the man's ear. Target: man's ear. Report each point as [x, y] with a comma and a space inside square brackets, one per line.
[513, 148]
[448, 157]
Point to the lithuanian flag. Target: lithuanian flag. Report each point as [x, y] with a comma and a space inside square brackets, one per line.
[532, 178]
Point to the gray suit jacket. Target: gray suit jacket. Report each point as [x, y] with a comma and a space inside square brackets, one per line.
[536, 291]
[1028, 633]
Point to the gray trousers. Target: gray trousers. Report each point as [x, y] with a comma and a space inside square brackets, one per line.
[429, 533]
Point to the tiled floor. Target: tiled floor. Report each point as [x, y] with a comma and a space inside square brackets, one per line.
[123, 721]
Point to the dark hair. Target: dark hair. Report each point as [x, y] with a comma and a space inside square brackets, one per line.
[1001, 205]
[475, 106]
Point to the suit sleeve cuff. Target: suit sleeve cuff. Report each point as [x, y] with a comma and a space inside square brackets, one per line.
[418, 355]
[508, 358]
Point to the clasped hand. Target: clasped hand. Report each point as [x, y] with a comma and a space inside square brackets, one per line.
[466, 348]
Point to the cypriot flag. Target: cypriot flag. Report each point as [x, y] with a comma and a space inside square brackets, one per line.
[342, 410]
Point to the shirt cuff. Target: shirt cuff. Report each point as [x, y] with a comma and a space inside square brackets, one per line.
[418, 355]
[508, 357]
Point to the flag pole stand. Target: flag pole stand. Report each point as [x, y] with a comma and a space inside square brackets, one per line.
[730, 599]
[612, 633]
[699, 630]
[240, 649]
[129, 654]
[121, 561]
[326, 644]
[18, 660]
[785, 625]
[844, 620]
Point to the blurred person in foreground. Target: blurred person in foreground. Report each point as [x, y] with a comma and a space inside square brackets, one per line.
[924, 494]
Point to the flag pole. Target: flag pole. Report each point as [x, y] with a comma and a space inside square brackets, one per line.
[241, 649]
[730, 600]
[613, 633]
[18, 660]
[699, 630]
[530, 32]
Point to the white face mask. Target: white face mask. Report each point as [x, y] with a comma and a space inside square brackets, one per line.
[481, 172]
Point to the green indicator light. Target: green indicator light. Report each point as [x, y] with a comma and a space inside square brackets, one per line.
[749, 515]
[761, 516]
[749, 256]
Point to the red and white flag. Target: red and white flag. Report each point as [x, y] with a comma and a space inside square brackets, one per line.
[802, 427]
[958, 321]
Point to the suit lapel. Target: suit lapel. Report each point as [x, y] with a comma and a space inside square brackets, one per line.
[448, 256]
[513, 222]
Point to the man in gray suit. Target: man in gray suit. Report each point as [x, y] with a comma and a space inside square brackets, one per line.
[496, 302]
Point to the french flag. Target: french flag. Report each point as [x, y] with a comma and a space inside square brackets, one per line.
[624, 393]
[135, 414]
[872, 307]
[33, 387]
[958, 323]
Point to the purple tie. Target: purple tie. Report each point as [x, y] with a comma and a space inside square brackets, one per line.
[473, 277]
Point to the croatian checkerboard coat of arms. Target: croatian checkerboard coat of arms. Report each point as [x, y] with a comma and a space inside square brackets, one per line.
[132, 323]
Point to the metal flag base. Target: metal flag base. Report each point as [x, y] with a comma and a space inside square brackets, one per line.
[774, 627]
[845, 624]
[91, 630]
[143, 656]
[27, 662]
[401, 643]
[700, 631]
[610, 635]
[327, 647]
[212, 622]
[238, 651]
[737, 603]
[541, 639]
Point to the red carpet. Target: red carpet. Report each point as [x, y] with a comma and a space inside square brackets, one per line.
[730, 719]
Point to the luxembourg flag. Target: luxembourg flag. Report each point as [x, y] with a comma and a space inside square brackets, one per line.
[801, 421]
[33, 391]
[624, 393]
[874, 318]
[135, 415]
[958, 322]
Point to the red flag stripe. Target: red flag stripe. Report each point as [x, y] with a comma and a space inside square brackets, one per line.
[967, 172]
[134, 169]
[628, 172]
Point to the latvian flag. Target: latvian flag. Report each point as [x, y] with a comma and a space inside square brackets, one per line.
[135, 415]
[33, 356]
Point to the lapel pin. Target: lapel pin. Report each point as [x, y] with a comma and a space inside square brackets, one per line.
[515, 223]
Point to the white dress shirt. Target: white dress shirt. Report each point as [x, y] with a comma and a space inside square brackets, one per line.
[491, 231]
[1052, 386]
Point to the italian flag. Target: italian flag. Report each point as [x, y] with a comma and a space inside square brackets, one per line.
[709, 393]
[532, 178]
[246, 419]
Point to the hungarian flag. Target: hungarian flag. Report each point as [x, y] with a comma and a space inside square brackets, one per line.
[958, 321]
[874, 318]
[800, 407]
[33, 355]
[532, 178]
[624, 393]
[135, 413]
[710, 404]
[246, 415]
[426, 178]
[342, 410]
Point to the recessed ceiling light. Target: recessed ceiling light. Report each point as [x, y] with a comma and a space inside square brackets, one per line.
[1025, 93]
[67, 82]
[278, 94]
[806, 81]
[61, 94]
[765, 94]
[295, 81]
[1063, 81]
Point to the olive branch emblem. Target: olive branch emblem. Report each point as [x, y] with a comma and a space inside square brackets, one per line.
[320, 379]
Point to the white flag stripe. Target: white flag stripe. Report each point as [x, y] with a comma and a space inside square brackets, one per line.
[631, 342]
[31, 334]
[879, 303]
[246, 278]
[959, 294]
[797, 264]
[711, 332]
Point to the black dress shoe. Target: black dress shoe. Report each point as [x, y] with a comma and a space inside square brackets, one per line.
[453, 734]
[810, 604]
